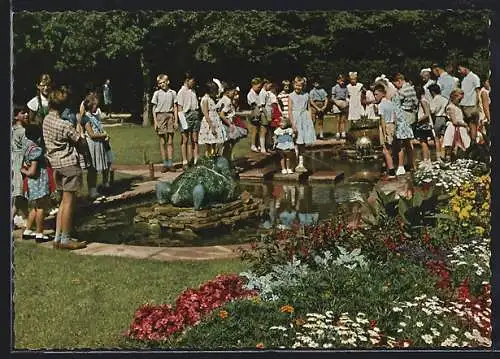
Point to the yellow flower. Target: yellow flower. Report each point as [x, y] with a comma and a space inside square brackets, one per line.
[223, 314]
[256, 300]
[259, 345]
[464, 214]
[480, 230]
[456, 209]
[287, 309]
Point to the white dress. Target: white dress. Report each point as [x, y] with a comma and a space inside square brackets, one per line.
[355, 108]
[206, 137]
[482, 116]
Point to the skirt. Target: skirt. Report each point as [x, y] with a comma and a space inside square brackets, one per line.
[306, 134]
[98, 155]
[206, 137]
[17, 177]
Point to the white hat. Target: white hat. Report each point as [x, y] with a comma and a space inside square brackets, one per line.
[237, 88]
[425, 70]
[219, 85]
[381, 78]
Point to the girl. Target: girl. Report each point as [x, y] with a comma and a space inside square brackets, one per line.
[456, 135]
[98, 144]
[276, 109]
[256, 116]
[212, 131]
[39, 105]
[403, 135]
[354, 92]
[283, 142]
[38, 184]
[423, 126]
[233, 126]
[340, 105]
[484, 107]
[299, 113]
[283, 97]
[20, 120]
[367, 104]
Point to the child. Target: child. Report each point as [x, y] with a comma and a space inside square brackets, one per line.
[387, 127]
[212, 131]
[438, 111]
[456, 135]
[234, 126]
[165, 119]
[256, 117]
[283, 142]
[276, 109]
[98, 144]
[340, 105]
[265, 99]
[299, 113]
[39, 105]
[189, 119]
[318, 100]
[20, 119]
[354, 94]
[283, 97]
[404, 135]
[423, 126]
[38, 184]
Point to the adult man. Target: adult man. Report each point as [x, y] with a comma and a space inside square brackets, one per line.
[62, 141]
[445, 80]
[408, 97]
[108, 99]
[471, 85]
[425, 75]
[189, 119]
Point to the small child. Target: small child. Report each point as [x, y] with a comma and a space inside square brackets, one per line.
[257, 128]
[387, 126]
[165, 119]
[98, 144]
[212, 131]
[456, 135]
[283, 97]
[20, 119]
[38, 184]
[318, 102]
[340, 105]
[283, 143]
[299, 113]
[276, 109]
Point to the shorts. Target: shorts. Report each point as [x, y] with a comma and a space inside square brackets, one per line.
[471, 114]
[440, 125]
[40, 203]
[68, 179]
[193, 120]
[317, 115]
[421, 133]
[165, 122]
[282, 153]
[387, 133]
[260, 118]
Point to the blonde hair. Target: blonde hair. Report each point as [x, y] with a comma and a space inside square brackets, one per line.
[57, 100]
[456, 93]
[353, 75]
[256, 81]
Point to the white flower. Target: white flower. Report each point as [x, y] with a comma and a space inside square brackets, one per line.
[427, 338]
[374, 341]
[455, 329]
[400, 330]
[403, 324]
[419, 324]
[327, 345]
[397, 309]
[362, 338]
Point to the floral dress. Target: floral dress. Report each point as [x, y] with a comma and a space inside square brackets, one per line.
[97, 148]
[39, 186]
[403, 129]
[17, 153]
[206, 137]
[302, 118]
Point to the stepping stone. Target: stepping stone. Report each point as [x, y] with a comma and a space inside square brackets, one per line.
[364, 176]
[325, 177]
[293, 177]
[258, 174]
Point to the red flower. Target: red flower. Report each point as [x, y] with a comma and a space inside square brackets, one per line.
[373, 323]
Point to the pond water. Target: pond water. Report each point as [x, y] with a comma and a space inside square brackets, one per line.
[286, 202]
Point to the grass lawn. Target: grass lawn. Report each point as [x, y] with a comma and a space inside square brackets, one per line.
[65, 300]
[131, 142]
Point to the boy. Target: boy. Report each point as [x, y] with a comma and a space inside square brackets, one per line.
[340, 104]
[165, 119]
[189, 119]
[438, 111]
[257, 108]
[318, 100]
[387, 126]
[265, 138]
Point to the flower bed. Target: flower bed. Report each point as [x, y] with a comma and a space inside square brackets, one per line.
[386, 285]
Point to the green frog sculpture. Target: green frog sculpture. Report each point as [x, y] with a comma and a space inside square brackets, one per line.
[211, 181]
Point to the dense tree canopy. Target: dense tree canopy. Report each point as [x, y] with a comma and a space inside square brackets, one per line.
[82, 47]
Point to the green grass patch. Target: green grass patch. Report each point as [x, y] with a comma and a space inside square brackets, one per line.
[65, 300]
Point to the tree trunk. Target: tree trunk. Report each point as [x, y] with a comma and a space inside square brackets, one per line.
[146, 97]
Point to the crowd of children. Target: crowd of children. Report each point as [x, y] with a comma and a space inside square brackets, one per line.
[284, 119]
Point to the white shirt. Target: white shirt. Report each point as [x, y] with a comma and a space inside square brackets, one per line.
[438, 106]
[33, 103]
[387, 111]
[253, 98]
[163, 101]
[225, 105]
[265, 99]
[187, 99]
[428, 95]
[470, 84]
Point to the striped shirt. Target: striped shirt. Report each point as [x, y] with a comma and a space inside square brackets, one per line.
[60, 141]
[409, 100]
[283, 97]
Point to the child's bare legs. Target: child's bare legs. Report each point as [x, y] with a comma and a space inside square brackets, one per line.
[163, 152]
[300, 167]
[105, 176]
[282, 163]
[31, 219]
[92, 182]
[439, 147]
[254, 129]
[425, 150]
[262, 138]
[319, 121]
[40, 216]
[410, 153]
[170, 147]
[184, 148]
[195, 147]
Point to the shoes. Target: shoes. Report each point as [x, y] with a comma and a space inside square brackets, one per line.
[27, 235]
[42, 238]
[289, 171]
[300, 168]
[321, 137]
[343, 135]
[254, 148]
[54, 211]
[337, 136]
[70, 245]
[165, 169]
[284, 171]
[391, 174]
[19, 222]
[401, 171]
[263, 151]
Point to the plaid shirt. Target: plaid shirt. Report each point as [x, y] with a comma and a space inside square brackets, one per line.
[60, 141]
[409, 101]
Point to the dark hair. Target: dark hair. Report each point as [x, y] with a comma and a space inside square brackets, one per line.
[419, 90]
[33, 132]
[380, 88]
[398, 76]
[437, 65]
[211, 88]
[87, 103]
[58, 99]
[188, 76]
[434, 88]
[17, 109]
[464, 63]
